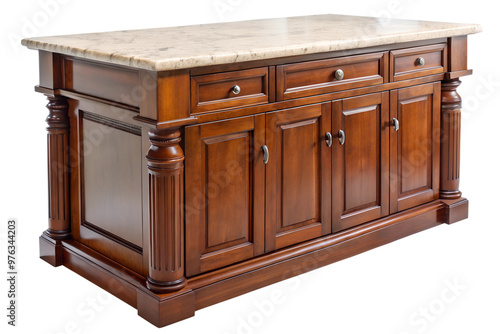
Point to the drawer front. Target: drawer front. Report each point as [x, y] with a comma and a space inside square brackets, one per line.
[330, 75]
[418, 62]
[229, 89]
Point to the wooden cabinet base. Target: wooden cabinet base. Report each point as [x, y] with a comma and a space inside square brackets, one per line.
[175, 187]
[219, 285]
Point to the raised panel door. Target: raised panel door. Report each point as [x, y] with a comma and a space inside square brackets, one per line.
[224, 193]
[360, 160]
[415, 146]
[298, 175]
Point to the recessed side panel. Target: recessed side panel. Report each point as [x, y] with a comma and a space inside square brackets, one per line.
[112, 179]
[107, 181]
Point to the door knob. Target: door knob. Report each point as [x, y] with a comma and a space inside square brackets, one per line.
[339, 74]
[236, 89]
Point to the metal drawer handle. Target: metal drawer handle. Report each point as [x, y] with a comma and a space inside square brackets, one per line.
[420, 61]
[236, 89]
[266, 154]
[339, 74]
[329, 139]
[341, 137]
[396, 124]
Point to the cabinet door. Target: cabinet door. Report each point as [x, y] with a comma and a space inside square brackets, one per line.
[415, 146]
[298, 175]
[361, 161]
[224, 193]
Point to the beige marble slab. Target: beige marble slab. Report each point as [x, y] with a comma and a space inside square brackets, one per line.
[201, 45]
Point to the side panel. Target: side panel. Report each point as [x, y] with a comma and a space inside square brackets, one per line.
[107, 182]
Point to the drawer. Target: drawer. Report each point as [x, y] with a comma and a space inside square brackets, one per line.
[418, 62]
[229, 89]
[330, 75]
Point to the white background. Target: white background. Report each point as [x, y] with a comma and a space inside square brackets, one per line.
[381, 291]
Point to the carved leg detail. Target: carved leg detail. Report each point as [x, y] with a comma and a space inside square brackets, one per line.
[58, 175]
[166, 194]
[58, 167]
[451, 104]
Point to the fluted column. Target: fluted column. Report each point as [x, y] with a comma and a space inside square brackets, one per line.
[451, 104]
[58, 168]
[166, 219]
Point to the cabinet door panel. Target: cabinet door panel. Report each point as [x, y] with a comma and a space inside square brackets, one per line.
[224, 193]
[362, 157]
[415, 146]
[298, 183]
[219, 158]
[361, 165]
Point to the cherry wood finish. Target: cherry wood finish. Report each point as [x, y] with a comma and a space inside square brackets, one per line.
[361, 164]
[231, 223]
[58, 156]
[224, 165]
[404, 62]
[172, 97]
[215, 91]
[97, 130]
[315, 254]
[318, 77]
[415, 146]
[116, 84]
[166, 217]
[280, 105]
[50, 69]
[58, 177]
[298, 175]
[457, 54]
[105, 165]
[232, 281]
[451, 104]
[162, 312]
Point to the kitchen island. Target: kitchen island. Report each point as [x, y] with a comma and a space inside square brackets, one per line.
[190, 165]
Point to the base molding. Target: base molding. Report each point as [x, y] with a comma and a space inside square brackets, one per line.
[51, 250]
[219, 285]
[456, 210]
[165, 311]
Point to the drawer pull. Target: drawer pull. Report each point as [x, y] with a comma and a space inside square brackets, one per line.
[266, 154]
[329, 139]
[339, 74]
[396, 124]
[341, 137]
[236, 89]
[420, 61]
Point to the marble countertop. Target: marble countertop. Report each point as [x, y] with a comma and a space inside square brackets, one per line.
[172, 48]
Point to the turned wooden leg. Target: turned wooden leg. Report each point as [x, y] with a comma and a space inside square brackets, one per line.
[451, 104]
[166, 194]
[58, 175]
